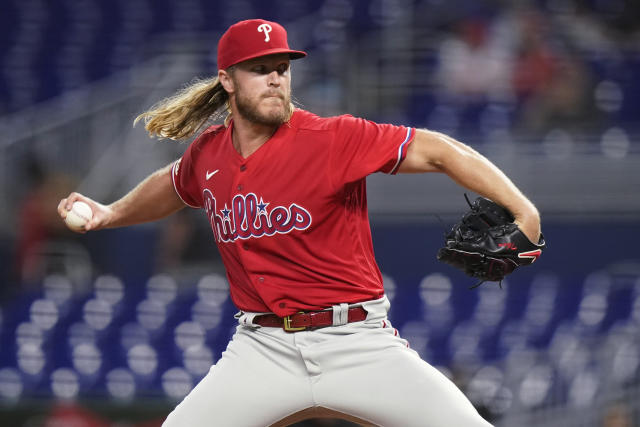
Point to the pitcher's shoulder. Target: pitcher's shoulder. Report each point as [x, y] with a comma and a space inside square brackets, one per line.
[208, 136]
[213, 130]
[306, 120]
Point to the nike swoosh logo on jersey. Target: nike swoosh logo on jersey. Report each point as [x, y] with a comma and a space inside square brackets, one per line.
[210, 174]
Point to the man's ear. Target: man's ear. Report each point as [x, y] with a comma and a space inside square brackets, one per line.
[226, 81]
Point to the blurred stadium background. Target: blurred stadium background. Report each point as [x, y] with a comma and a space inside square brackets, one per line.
[114, 327]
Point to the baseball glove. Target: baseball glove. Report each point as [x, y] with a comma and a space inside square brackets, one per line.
[486, 244]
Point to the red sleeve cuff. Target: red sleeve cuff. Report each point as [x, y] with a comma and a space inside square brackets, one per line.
[174, 174]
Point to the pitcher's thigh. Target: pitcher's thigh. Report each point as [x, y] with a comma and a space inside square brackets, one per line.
[397, 389]
[246, 388]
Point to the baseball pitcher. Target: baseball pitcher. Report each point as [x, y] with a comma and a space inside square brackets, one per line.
[284, 192]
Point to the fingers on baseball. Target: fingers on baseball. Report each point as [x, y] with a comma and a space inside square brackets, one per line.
[89, 225]
[66, 204]
[74, 197]
[62, 210]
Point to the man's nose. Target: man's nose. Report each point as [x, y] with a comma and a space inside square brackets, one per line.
[273, 79]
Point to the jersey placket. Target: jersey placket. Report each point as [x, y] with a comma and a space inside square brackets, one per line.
[244, 246]
[239, 189]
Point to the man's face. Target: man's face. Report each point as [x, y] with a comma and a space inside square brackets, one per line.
[262, 89]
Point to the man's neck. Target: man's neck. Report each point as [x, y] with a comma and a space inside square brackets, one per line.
[248, 136]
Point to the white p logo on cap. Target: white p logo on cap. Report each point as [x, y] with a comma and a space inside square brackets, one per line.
[266, 29]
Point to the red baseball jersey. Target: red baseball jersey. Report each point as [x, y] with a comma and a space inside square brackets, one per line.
[291, 220]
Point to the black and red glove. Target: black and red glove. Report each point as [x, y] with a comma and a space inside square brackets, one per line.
[486, 244]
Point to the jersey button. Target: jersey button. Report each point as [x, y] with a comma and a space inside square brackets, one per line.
[240, 187]
[243, 168]
[245, 246]
[260, 279]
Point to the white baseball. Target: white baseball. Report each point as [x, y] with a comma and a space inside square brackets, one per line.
[79, 215]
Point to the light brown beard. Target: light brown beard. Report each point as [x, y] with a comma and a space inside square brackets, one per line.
[250, 110]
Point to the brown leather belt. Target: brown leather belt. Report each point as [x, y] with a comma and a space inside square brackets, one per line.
[307, 320]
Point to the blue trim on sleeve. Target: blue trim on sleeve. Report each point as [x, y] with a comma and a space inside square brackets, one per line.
[402, 151]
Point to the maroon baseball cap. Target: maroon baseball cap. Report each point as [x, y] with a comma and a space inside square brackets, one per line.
[251, 39]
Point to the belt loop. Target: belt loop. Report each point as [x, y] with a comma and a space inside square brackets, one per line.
[340, 314]
[246, 319]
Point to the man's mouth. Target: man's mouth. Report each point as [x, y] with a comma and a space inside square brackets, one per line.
[275, 95]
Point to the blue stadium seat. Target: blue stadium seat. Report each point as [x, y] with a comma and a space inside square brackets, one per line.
[29, 333]
[207, 314]
[80, 333]
[152, 314]
[514, 335]
[584, 388]
[177, 383]
[109, 288]
[65, 384]
[133, 333]
[59, 289]
[120, 384]
[98, 314]
[11, 385]
[188, 334]
[142, 360]
[435, 291]
[490, 309]
[162, 288]
[197, 360]
[31, 360]
[87, 361]
[213, 289]
[465, 343]
[569, 351]
[537, 386]
[486, 389]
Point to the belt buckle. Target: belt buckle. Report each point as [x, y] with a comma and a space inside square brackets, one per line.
[287, 324]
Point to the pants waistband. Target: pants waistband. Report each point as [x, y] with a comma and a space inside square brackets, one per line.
[339, 314]
[312, 319]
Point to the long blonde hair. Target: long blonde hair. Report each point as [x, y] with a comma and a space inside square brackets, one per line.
[183, 114]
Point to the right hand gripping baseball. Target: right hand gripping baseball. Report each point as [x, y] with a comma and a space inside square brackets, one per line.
[101, 213]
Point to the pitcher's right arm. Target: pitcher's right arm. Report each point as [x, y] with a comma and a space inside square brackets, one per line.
[153, 199]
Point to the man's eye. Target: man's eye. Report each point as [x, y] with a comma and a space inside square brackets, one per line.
[258, 69]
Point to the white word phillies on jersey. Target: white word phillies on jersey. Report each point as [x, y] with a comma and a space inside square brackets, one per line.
[248, 218]
[291, 220]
